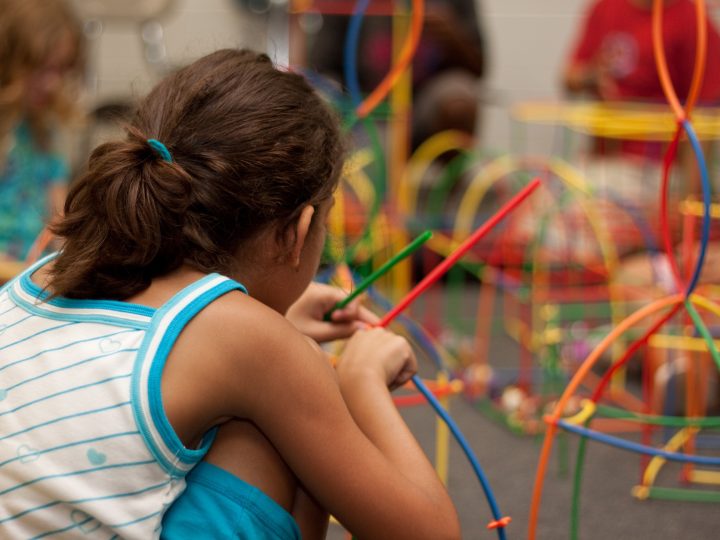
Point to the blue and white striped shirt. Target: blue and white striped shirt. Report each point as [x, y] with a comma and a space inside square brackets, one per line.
[85, 447]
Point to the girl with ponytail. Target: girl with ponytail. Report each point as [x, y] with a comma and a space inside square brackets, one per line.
[158, 361]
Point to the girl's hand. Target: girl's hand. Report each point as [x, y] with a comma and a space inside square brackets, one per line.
[307, 313]
[377, 353]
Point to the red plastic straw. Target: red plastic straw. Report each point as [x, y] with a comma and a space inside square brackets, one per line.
[451, 259]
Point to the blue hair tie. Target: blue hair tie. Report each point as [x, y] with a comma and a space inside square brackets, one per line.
[161, 149]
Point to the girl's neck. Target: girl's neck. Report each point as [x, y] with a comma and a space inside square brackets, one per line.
[158, 293]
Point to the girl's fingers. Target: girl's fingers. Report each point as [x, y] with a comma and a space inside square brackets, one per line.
[355, 312]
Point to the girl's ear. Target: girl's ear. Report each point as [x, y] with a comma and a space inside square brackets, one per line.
[302, 228]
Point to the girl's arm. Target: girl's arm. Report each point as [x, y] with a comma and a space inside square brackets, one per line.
[338, 431]
[341, 435]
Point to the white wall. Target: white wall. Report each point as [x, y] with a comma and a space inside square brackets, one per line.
[529, 41]
[191, 28]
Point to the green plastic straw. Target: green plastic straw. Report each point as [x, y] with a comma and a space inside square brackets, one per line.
[577, 482]
[704, 332]
[668, 421]
[680, 494]
[407, 250]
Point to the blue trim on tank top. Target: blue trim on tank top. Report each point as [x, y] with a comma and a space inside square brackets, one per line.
[157, 412]
[108, 311]
[30, 287]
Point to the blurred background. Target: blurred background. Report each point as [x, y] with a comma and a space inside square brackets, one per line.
[529, 305]
[132, 42]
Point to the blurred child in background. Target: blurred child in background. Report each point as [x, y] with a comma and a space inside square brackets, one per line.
[41, 64]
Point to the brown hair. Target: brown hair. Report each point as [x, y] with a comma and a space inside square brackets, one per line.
[251, 146]
[30, 30]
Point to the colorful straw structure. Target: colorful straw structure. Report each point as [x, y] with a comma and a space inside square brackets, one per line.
[673, 304]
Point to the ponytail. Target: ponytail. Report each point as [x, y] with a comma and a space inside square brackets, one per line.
[123, 221]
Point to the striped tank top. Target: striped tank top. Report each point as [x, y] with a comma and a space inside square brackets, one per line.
[86, 450]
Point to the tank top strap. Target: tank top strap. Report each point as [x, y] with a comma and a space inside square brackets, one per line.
[165, 327]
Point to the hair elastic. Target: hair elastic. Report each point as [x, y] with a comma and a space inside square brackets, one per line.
[161, 149]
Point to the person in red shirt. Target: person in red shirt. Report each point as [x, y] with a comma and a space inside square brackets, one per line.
[613, 59]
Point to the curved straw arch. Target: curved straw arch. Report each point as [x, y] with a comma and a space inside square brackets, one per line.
[421, 160]
[578, 188]
[407, 52]
[553, 419]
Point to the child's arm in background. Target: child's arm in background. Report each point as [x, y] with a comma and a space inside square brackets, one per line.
[57, 189]
[56, 194]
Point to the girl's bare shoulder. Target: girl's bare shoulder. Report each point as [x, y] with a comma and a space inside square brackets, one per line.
[239, 335]
[236, 319]
[231, 356]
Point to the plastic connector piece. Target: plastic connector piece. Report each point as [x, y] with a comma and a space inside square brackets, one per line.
[499, 523]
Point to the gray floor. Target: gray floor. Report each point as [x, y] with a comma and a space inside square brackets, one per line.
[608, 510]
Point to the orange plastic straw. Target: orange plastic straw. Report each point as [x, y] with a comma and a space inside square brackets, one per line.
[700, 56]
[661, 61]
[404, 59]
